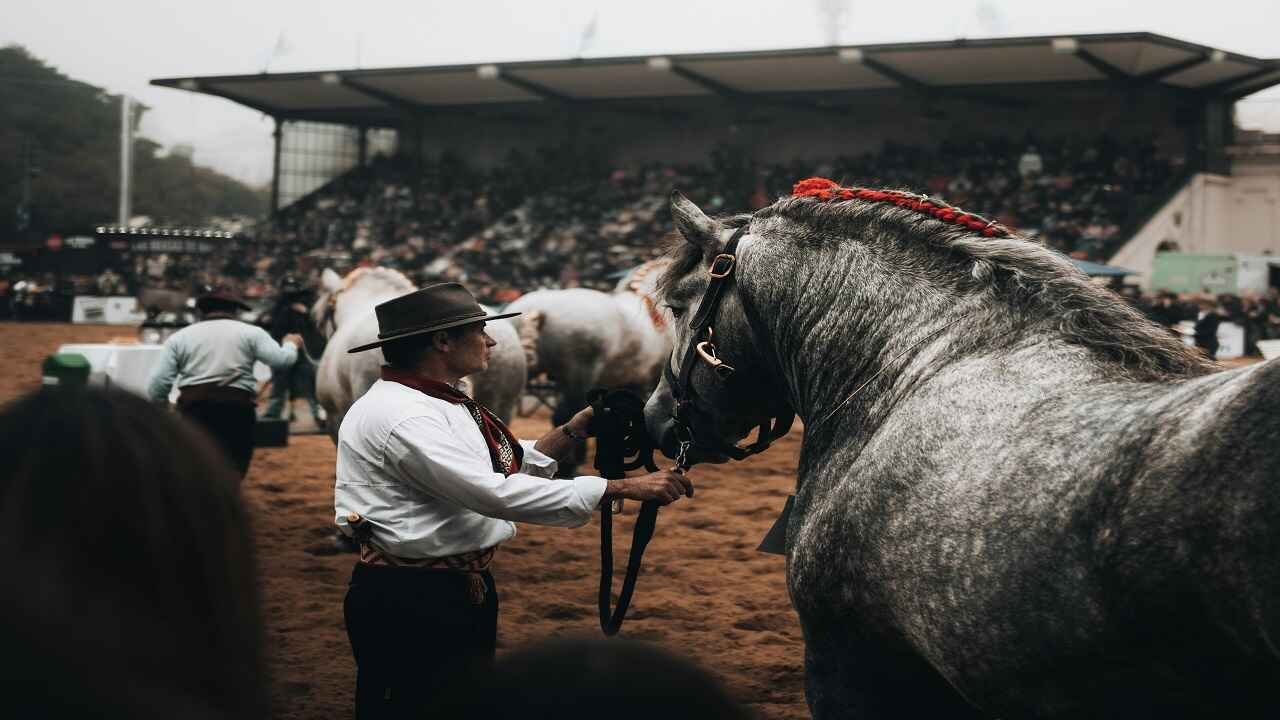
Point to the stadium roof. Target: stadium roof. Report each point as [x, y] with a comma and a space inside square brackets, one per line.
[367, 96]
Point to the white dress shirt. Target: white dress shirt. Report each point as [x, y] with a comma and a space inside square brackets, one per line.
[418, 470]
[217, 351]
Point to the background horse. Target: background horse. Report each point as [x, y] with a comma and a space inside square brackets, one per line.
[344, 311]
[1016, 497]
[584, 339]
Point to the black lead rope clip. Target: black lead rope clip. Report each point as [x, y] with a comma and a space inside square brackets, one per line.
[622, 444]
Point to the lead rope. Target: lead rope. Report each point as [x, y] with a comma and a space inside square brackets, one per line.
[620, 434]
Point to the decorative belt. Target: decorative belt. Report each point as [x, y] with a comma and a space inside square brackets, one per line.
[471, 564]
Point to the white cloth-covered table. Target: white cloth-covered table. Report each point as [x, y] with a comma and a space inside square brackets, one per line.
[129, 366]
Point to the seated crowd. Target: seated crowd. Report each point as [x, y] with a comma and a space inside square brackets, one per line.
[565, 218]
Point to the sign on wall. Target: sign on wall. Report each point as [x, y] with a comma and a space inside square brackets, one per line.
[96, 310]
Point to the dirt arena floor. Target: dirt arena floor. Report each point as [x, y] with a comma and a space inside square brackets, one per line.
[704, 593]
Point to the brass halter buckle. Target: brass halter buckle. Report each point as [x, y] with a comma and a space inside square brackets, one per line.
[707, 352]
[721, 266]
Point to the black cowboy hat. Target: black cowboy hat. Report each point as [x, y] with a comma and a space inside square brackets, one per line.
[436, 307]
[214, 298]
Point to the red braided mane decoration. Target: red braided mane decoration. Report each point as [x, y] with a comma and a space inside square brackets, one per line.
[825, 190]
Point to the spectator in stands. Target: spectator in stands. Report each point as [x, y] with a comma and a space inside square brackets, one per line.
[1030, 164]
[1208, 319]
[131, 590]
[212, 364]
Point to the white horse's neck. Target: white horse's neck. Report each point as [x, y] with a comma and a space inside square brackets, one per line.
[367, 290]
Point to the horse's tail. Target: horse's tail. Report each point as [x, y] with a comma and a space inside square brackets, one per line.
[530, 329]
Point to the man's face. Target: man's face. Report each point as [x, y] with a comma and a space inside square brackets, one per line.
[470, 353]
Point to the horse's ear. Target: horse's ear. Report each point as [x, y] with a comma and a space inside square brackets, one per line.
[330, 280]
[692, 223]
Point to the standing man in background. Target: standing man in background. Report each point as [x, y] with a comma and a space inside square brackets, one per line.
[290, 316]
[212, 364]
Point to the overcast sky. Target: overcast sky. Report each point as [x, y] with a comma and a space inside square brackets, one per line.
[123, 44]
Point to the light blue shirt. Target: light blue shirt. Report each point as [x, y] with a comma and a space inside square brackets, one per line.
[217, 351]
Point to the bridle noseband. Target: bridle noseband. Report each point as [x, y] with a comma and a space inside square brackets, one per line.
[703, 351]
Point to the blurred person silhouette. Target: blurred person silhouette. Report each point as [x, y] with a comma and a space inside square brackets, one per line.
[132, 588]
[1208, 319]
[212, 364]
[582, 678]
[290, 316]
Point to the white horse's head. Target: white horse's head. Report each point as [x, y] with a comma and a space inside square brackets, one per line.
[340, 298]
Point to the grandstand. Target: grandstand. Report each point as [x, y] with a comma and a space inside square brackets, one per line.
[1080, 140]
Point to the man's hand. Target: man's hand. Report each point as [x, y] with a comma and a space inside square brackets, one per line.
[663, 487]
[580, 423]
[294, 338]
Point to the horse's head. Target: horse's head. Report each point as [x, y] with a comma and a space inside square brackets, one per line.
[362, 288]
[719, 383]
[323, 310]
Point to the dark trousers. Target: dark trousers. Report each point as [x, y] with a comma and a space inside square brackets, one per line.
[231, 424]
[412, 632]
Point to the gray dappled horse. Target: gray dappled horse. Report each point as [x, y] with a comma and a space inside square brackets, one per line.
[343, 311]
[1016, 496]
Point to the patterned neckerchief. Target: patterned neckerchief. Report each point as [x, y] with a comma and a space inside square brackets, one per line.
[504, 450]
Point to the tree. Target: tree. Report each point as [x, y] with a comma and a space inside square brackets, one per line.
[71, 130]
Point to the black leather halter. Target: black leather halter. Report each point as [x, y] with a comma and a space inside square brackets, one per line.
[700, 351]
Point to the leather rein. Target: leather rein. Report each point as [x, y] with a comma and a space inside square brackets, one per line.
[703, 352]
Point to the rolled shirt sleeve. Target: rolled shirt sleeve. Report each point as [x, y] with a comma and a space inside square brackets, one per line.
[275, 356]
[428, 455]
[537, 463]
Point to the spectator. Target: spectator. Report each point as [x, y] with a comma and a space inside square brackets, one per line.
[132, 591]
[1208, 319]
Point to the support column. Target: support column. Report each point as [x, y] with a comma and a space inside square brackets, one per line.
[275, 168]
[126, 160]
[362, 146]
[1217, 135]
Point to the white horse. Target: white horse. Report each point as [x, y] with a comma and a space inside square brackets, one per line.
[586, 338]
[344, 313]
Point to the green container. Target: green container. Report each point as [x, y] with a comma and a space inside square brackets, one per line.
[66, 369]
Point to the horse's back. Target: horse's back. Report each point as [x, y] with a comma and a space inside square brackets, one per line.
[1142, 518]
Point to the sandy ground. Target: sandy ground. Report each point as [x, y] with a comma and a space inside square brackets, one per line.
[705, 592]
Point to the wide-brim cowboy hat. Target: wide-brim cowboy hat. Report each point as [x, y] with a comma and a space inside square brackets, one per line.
[433, 308]
[220, 297]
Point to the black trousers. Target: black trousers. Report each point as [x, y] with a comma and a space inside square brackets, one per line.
[231, 424]
[412, 632]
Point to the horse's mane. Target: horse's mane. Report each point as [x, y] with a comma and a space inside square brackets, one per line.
[1041, 284]
[390, 276]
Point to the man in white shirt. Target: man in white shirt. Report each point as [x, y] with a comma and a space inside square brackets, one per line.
[212, 364]
[428, 483]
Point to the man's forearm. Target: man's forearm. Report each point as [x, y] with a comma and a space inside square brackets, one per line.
[556, 444]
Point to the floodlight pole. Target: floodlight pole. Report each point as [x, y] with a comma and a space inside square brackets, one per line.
[126, 160]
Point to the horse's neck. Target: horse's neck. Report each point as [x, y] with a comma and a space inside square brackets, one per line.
[845, 343]
[359, 301]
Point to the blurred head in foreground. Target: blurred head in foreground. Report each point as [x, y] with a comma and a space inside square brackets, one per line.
[130, 581]
[571, 678]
